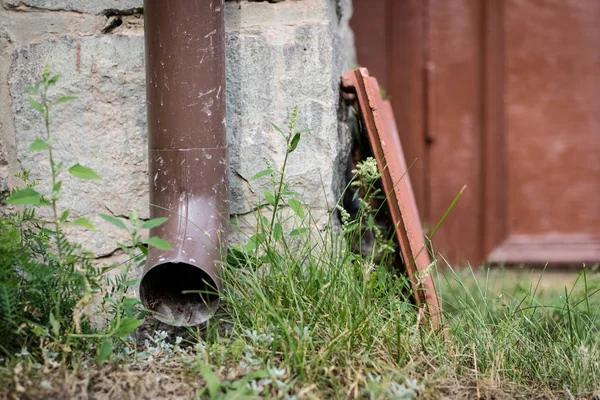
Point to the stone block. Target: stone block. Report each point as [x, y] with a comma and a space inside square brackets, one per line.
[83, 6]
[104, 129]
[269, 71]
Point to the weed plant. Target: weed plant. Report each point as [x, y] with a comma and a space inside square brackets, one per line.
[48, 282]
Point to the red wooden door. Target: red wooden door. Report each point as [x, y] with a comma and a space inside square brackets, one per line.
[504, 97]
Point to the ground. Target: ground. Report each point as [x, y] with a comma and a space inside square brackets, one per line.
[483, 356]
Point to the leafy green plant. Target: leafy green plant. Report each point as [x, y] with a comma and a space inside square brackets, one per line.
[124, 314]
[305, 287]
[52, 276]
[265, 245]
[48, 282]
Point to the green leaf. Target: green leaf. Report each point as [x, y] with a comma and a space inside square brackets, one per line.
[39, 331]
[64, 99]
[104, 350]
[131, 301]
[53, 80]
[31, 89]
[81, 172]
[269, 197]
[236, 256]
[38, 145]
[36, 106]
[153, 223]
[294, 142]
[143, 248]
[253, 243]
[298, 231]
[130, 305]
[212, 381]
[54, 324]
[296, 206]
[262, 173]
[278, 129]
[287, 192]
[114, 220]
[57, 187]
[277, 231]
[84, 223]
[158, 243]
[127, 326]
[26, 196]
[64, 216]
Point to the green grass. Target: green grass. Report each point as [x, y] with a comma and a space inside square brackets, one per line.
[341, 329]
[517, 333]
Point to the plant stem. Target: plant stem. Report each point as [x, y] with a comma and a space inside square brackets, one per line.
[53, 170]
[278, 193]
[52, 196]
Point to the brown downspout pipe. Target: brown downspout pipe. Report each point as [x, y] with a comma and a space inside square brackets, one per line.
[188, 157]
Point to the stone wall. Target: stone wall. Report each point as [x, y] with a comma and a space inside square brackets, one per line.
[278, 55]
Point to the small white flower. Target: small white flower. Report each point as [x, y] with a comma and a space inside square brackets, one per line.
[264, 339]
[198, 347]
[281, 385]
[265, 382]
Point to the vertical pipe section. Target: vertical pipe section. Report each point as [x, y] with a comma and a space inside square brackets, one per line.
[188, 157]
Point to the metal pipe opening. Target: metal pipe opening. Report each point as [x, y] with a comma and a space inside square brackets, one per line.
[180, 294]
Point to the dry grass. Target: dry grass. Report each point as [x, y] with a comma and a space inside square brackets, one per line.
[157, 380]
[141, 380]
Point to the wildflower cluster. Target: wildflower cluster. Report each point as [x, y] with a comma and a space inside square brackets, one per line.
[366, 175]
[345, 215]
[366, 172]
[293, 119]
